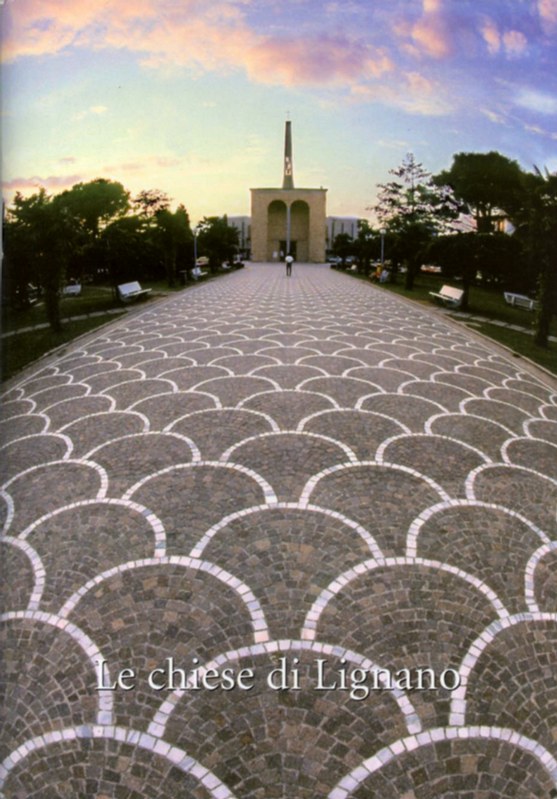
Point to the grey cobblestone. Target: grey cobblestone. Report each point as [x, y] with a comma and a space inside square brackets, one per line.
[258, 472]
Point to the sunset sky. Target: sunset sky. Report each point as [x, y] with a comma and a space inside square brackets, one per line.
[190, 96]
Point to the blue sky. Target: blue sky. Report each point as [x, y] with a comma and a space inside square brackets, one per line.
[190, 97]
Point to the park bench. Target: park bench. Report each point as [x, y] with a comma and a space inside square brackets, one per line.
[132, 291]
[197, 273]
[449, 296]
[72, 290]
[520, 301]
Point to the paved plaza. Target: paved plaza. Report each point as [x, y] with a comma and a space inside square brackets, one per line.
[283, 485]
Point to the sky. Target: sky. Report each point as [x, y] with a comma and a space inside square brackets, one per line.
[190, 96]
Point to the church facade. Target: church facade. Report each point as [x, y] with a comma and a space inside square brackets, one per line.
[288, 220]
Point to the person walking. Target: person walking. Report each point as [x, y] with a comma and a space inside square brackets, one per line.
[289, 261]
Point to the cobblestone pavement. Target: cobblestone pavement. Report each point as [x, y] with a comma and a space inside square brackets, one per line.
[280, 477]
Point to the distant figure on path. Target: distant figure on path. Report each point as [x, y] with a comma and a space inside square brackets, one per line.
[289, 261]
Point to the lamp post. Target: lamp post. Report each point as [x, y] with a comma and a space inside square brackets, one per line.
[382, 234]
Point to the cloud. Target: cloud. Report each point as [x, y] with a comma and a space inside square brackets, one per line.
[547, 10]
[494, 117]
[537, 101]
[491, 35]
[134, 167]
[430, 34]
[512, 43]
[541, 131]
[194, 34]
[314, 61]
[34, 183]
[515, 43]
[94, 110]
[412, 92]
[167, 162]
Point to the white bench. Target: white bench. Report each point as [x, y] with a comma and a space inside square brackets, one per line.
[132, 291]
[449, 296]
[520, 301]
[72, 290]
[196, 273]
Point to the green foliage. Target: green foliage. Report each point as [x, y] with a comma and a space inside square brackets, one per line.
[486, 183]
[126, 250]
[42, 227]
[413, 208]
[150, 201]
[174, 237]
[94, 204]
[367, 245]
[496, 258]
[538, 229]
[217, 240]
[343, 246]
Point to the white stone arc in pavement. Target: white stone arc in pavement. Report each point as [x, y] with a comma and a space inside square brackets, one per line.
[304, 477]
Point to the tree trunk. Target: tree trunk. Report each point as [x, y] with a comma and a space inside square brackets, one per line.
[545, 311]
[52, 307]
[411, 270]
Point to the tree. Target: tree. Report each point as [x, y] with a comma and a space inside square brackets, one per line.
[217, 240]
[174, 234]
[366, 245]
[44, 229]
[496, 256]
[18, 268]
[537, 222]
[128, 250]
[95, 203]
[343, 246]
[150, 201]
[414, 209]
[93, 206]
[487, 183]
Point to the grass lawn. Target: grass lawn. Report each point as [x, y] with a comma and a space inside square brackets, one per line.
[22, 348]
[19, 350]
[521, 344]
[488, 303]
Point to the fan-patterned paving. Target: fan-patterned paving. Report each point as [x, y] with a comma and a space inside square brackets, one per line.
[262, 471]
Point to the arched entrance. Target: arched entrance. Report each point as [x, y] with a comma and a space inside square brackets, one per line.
[279, 216]
[299, 230]
[288, 230]
[276, 230]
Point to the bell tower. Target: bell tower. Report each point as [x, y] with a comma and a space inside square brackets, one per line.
[288, 220]
[288, 176]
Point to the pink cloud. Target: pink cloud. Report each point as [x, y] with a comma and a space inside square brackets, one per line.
[317, 61]
[515, 43]
[512, 43]
[130, 166]
[548, 13]
[34, 183]
[411, 91]
[167, 163]
[36, 28]
[491, 36]
[430, 35]
[194, 34]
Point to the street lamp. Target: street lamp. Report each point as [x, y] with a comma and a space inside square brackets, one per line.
[382, 234]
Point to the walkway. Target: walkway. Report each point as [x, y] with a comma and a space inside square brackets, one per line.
[280, 478]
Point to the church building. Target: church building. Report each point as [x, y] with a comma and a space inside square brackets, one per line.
[288, 220]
